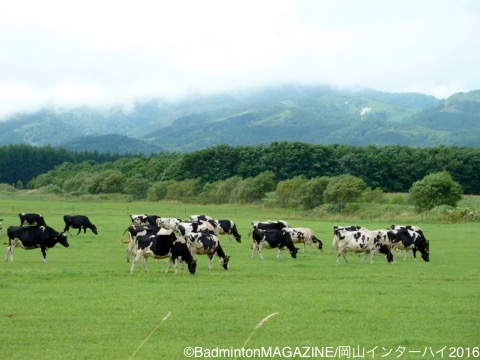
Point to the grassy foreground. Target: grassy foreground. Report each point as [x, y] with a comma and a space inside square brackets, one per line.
[84, 304]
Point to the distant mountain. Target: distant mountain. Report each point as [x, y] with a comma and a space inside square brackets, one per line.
[313, 114]
[112, 143]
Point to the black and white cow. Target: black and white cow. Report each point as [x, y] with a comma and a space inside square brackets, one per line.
[204, 243]
[164, 246]
[342, 227]
[31, 219]
[228, 227]
[143, 219]
[410, 228]
[168, 223]
[304, 235]
[270, 225]
[271, 239]
[187, 227]
[198, 218]
[32, 237]
[78, 222]
[362, 241]
[133, 233]
[409, 240]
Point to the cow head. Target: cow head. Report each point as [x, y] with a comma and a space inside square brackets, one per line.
[94, 229]
[238, 237]
[62, 239]
[294, 252]
[388, 254]
[424, 247]
[318, 243]
[192, 266]
[224, 261]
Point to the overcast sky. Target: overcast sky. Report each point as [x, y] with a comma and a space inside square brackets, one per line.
[97, 52]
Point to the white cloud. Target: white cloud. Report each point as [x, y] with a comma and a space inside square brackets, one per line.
[65, 53]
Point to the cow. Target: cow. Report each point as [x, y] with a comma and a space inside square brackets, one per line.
[143, 219]
[204, 243]
[198, 218]
[411, 228]
[32, 237]
[134, 232]
[305, 236]
[164, 246]
[271, 239]
[31, 219]
[409, 240]
[187, 227]
[78, 222]
[270, 225]
[341, 227]
[228, 227]
[168, 223]
[362, 241]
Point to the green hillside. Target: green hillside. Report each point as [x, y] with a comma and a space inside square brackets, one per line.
[313, 114]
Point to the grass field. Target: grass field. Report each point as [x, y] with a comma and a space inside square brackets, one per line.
[84, 304]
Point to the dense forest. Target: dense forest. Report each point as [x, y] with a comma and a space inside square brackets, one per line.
[389, 168]
[23, 162]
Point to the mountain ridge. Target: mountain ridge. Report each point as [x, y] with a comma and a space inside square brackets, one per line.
[313, 114]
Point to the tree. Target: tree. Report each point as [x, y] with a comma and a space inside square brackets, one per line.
[287, 191]
[434, 190]
[343, 189]
[311, 192]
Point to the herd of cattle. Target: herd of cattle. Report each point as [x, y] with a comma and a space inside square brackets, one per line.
[181, 241]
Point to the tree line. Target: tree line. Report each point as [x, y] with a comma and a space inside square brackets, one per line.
[22, 163]
[389, 168]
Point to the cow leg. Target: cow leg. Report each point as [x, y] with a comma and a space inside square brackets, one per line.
[169, 264]
[79, 229]
[414, 251]
[210, 262]
[144, 263]
[134, 263]
[260, 247]
[344, 256]
[279, 253]
[9, 251]
[44, 254]
[254, 247]
[175, 266]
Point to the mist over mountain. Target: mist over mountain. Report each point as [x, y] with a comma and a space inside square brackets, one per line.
[312, 114]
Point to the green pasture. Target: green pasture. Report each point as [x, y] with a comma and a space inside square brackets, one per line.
[84, 303]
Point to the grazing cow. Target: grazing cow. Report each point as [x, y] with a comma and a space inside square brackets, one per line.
[164, 246]
[271, 239]
[409, 240]
[362, 241]
[168, 223]
[187, 227]
[31, 219]
[228, 227]
[411, 228]
[204, 243]
[32, 237]
[305, 236]
[78, 222]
